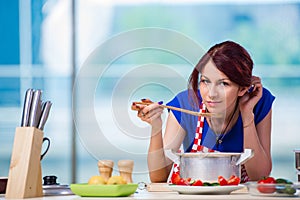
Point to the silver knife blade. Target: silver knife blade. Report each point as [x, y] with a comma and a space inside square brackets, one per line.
[26, 107]
[45, 113]
[35, 111]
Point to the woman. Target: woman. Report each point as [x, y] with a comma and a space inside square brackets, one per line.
[221, 83]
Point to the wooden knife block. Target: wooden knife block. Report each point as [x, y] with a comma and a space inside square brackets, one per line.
[25, 174]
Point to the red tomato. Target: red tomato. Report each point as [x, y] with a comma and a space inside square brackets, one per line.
[266, 188]
[270, 180]
[233, 180]
[197, 183]
[175, 178]
[188, 179]
[222, 181]
[183, 181]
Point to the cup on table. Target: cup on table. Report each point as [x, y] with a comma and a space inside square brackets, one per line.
[47, 147]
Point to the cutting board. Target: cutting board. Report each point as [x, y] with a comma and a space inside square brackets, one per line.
[158, 187]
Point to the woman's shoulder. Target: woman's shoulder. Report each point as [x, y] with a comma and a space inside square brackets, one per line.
[187, 94]
[178, 98]
[183, 93]
[184, 99]
[267, 95]
[264, 105]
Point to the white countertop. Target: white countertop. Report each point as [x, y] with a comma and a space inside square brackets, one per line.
[162, 195]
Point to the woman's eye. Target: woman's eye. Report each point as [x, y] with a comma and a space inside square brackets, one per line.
[224, 83]
[204, 81]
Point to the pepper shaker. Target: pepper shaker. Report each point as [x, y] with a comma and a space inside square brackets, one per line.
[125, 169]
[105, 168]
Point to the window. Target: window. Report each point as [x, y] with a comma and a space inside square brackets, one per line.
[39, 55]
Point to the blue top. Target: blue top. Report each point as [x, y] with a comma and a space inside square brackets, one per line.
[233, 140]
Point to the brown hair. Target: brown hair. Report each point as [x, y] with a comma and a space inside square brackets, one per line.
[230, 58]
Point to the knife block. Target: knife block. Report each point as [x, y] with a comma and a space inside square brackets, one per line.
[25, 174]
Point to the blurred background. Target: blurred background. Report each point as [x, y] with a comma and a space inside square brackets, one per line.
[48, 45]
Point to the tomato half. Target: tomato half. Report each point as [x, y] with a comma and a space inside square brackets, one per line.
[222, 181]
[175, 178]
[183, 181]
[197, 183]
[233, 180]
[188, 179]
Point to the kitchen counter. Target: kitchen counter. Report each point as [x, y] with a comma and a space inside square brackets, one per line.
[163, 195]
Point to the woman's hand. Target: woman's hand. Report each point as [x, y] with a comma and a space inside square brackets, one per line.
[149, 113]
[250, 98]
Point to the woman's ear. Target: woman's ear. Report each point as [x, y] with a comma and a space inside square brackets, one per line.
[242, 91]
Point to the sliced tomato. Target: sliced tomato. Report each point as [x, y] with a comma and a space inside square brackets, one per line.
[197, 183]
[188, 179]
[265, 185]
[175, 178]
[183, 181]
[233, 180]
[222, 181]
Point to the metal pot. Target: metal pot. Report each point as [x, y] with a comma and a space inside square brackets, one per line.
[208, 166]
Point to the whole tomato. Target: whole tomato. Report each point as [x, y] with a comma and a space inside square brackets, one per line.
[265, 185]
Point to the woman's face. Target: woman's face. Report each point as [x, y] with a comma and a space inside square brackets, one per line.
[218, 92]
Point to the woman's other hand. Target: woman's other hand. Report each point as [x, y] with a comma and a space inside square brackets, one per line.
[252, 96]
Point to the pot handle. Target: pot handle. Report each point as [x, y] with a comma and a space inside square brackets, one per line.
[246, 155]
[171, 155]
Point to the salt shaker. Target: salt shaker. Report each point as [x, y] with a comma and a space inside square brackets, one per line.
[105, 168]
[125, 169]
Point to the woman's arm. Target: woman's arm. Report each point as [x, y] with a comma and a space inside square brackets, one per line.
[258, 138]
[159, 165]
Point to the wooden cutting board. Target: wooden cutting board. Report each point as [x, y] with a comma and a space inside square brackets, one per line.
[158, 187]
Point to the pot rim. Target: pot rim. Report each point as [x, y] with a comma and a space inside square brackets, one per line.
[209, 154]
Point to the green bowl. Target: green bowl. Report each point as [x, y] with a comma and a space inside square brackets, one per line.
[86, 190]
